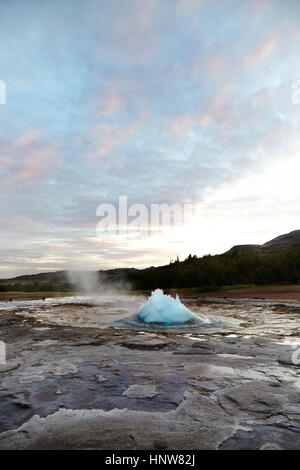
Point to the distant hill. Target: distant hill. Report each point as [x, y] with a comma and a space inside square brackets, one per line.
[275, 262]
[245, 248]
[287, 240]
[117, 273]
[50, 276]
[284, 241]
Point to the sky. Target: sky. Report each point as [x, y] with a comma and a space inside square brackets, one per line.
[162, 101]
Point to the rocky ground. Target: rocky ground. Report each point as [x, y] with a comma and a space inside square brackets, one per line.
[235, 385]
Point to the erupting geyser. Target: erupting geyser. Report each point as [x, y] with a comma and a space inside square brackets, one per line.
[161, 308]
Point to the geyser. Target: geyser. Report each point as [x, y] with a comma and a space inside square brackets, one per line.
[164, 309]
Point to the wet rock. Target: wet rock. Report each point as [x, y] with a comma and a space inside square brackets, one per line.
[145, 344]
[270, 446]
[258, 398]
[27, 379]
[209, 389]
[101, 378]
[22, 404]
[264, 437]
[94, 342]
[65, 367]
[46, 342]
[184, 428]
[160, 444]
[141, 391]
[201, 345]
[288, 361]
[207, 370]
[9, 366]
[193, 351]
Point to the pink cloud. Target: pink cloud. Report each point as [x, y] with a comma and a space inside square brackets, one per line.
[219, 101]
[36, 164]
[110, 103]
[27, 159]
[110, 136]
[180, 125]
[261, 53]
[118, 95]
[27, 138]
[213, 111]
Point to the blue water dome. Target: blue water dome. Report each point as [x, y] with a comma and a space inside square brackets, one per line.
[165, 309]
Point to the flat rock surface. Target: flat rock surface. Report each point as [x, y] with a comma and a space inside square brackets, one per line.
[141, 391]
[70, 382]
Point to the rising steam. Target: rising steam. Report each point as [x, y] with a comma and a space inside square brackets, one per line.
[96, 284]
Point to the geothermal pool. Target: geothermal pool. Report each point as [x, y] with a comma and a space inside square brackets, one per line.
[158, 311]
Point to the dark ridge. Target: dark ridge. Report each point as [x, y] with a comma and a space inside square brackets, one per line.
[287, 240]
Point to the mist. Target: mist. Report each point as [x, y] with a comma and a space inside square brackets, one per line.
[96, 284]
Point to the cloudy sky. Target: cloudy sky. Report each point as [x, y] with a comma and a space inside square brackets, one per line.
[164, 101]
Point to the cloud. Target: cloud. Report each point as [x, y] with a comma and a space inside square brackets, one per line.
[132, 33]
[180, 124]
[110, 103]
[28, 159]
[214, 66]
[213, 111]
[260, 7]
[188, 6]
[262, 52]
[110, 136]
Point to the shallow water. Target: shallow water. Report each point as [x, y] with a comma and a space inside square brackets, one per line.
[98, 312]
[136, 323]
[83, 311]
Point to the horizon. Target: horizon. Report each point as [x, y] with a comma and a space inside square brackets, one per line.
[174, 102]
[126, 267]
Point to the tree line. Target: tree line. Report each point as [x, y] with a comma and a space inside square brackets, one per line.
[212, 272]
